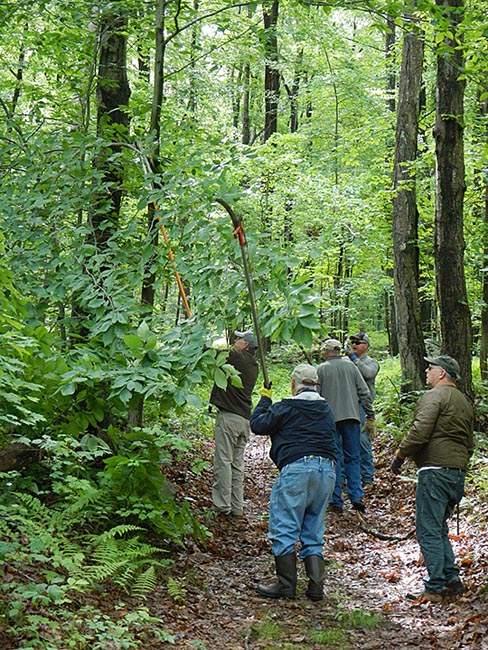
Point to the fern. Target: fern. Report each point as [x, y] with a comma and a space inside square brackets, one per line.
[129, 563]
[176, 590]
[145, 583]
[32, 534]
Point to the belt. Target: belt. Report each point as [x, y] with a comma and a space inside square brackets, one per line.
[312, 457]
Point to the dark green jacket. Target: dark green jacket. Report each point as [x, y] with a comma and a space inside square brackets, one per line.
[442, 431]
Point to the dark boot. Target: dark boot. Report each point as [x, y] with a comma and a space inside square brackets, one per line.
[314, 566]
[286, 572]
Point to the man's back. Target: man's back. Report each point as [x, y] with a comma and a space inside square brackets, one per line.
[343, 387]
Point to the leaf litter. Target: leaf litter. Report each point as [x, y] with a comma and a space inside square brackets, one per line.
[218, 608]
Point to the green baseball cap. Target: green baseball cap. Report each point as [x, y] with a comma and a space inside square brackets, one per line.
[450, 365]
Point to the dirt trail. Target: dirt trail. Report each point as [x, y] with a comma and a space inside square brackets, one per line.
[220, 609]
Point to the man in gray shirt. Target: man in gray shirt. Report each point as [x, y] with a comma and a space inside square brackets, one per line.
[368, 367]
[344, 388]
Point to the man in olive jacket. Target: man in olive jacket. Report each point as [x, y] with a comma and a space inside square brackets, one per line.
[440, 441]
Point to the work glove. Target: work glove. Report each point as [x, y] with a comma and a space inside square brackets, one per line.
[349, 351]
[370, 427]
[396, 464]
[266, 391]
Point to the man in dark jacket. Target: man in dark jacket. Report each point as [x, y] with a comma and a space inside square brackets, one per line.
[302, 431]
[440, 441]
[234, 404]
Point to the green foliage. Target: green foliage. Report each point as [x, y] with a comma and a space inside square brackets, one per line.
[176, 590]
[70, 560]
[332, 636]
[357, 619]
[269, 630]
[64, 562]
[88, 628]
[81, 352]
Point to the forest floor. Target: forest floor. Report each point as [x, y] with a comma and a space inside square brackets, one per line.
[214, 604]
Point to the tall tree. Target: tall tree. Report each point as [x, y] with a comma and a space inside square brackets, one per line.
[112, 99]
[391, 82]
[113, 94]
[483, 183]
[405, 212]
[271, 70]
[455, 317]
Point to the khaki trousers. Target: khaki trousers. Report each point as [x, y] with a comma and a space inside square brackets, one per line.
[231, 436]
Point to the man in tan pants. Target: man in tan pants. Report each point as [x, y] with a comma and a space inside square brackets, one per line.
[232, 429]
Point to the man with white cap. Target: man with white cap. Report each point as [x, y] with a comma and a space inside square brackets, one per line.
[234, 404]
[302, 431]
[344, 388]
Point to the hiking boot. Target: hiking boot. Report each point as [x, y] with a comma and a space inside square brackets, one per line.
[358, 506]
[334, 508]
[426, 596]
[455, 588]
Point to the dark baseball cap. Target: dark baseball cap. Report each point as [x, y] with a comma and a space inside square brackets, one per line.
[360, 336]
[450, 365]
[247, 336]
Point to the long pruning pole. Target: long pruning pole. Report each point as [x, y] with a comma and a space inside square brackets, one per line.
[241, 237]
[146, 165]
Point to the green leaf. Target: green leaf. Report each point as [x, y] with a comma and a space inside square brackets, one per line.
[220, 378]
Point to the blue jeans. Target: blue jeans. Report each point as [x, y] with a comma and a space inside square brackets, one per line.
[298, 501]
[438, 492]
[366, 452]
[348, 449]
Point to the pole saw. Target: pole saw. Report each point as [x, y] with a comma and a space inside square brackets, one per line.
[246, 262]
[148, 170]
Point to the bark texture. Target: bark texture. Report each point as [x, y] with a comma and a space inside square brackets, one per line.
[405, 216]
[456, 335]
[271, 71]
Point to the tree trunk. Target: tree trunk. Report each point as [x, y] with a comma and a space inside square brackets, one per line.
[246, 96]
[484, 310]
[389, 307]
[405, 216]
[149, 275]
[482, 214]
[271, 70]
[294, 94]
[113, 94]
[455, 318]
[18, 455]
[195, 37]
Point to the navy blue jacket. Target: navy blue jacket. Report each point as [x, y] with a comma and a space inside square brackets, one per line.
[303, 425]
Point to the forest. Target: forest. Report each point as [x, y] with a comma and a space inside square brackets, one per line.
[149, 151]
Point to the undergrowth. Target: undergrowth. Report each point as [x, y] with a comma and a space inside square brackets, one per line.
[77, 527]
[51, 563]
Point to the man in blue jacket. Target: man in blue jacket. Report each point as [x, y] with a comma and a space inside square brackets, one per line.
[302, 430]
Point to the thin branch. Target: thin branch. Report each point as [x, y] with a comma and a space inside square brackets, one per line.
[203, 17]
